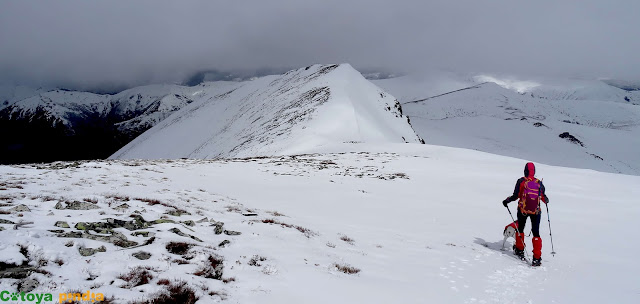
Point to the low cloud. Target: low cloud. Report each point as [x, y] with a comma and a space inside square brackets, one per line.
[124, 43]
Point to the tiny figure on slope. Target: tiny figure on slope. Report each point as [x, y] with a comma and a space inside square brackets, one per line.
[530, 191]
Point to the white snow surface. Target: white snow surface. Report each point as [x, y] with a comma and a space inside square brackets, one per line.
[523, 118]
[422, 223]
[299, 111]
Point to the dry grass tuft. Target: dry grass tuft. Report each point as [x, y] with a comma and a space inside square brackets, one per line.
[255, 260]
[176, 292]
[228, 280]
[307, 232]
[178, 248]
[151, 201]
[91, 200]
[140, 275]
[212, 269]
[347, 239]
[118, 197]
[348, 269]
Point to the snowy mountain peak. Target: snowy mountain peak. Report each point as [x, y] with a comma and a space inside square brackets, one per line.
[296, 112]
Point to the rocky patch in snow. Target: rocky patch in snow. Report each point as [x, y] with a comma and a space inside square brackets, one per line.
[141, 238]
[571, 138]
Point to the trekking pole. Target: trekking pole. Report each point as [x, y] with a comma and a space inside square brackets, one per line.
[553, 252]
[510, 214]
[518, 231]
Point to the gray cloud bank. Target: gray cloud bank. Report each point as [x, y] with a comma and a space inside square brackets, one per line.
[116, 43]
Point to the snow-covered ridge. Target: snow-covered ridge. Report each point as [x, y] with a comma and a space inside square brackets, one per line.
[296, 112]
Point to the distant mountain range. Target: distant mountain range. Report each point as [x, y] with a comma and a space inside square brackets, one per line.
[575, 123]
[562, 122]
[42, 125]
[68, 125]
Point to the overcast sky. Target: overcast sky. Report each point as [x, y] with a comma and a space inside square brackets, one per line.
[95, 43]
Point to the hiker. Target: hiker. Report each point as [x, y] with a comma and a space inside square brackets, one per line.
[529, 190]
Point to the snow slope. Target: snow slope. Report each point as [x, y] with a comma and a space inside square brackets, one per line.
[283, 114]
[525, 118]
[422, 223]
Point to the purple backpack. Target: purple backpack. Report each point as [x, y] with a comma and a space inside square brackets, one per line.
[530, 200]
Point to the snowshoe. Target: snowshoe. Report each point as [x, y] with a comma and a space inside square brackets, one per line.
[536, 262]
[518, 252]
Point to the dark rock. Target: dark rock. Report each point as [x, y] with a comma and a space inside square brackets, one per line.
[178, 248]
[91, 251]
[75, 205]
[180, 233]
[571, 138]
[71, 234]
[122, 207]
[111, 223]
[142, 255]
[61, 224]
[224, 243]
[115, 238]
[27, 285]
[178, 212]
[143, 233]
[20, 208]
[596, 156]
[12, 271]
[229, 232]
[218, 229]
[149, 241]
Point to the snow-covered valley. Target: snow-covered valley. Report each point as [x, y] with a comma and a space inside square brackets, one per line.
[371, 224]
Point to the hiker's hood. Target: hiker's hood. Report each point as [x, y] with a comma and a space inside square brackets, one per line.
[529, 170]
